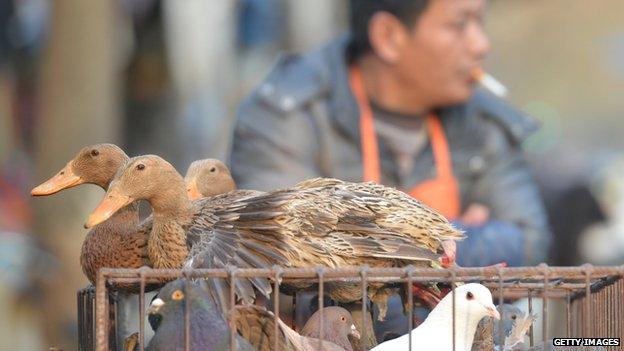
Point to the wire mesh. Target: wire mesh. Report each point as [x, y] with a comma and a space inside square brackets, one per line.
[593, 295]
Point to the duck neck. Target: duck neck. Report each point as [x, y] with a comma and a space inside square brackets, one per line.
[173, 211]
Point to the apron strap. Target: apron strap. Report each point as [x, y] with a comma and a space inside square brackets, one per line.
[370, 151]
[439, 145]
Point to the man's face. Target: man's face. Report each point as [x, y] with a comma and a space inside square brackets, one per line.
[443, 49]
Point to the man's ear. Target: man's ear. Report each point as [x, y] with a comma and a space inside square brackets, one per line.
[388, 36]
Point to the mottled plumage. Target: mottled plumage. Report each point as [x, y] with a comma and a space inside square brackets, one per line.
[318, 222]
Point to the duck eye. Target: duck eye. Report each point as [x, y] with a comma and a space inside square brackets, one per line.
[177, 295]
[140, 167]
[213, 169]
[469, 296]
[513, 317]
[94, 152]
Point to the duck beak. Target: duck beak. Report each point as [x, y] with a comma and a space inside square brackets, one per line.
[111, 204]
[192, 191]
[354, 331]
[493, 312]
[155, 306]
[62, 180]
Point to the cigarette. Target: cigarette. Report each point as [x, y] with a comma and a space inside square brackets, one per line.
[490, 83]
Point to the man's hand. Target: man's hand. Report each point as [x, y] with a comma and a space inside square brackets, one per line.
[475, 215]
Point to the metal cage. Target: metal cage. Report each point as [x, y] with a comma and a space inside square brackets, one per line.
[593, 295]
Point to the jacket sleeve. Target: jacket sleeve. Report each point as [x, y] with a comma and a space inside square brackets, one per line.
[272, 147]
[507, 187]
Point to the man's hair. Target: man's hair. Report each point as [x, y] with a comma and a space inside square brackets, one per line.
[407, 11]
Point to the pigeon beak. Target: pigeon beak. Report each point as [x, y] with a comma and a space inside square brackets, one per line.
[492, 312]
[192, 191]
[111, 204]
[62, 180]
[155, 306]
[354, 331]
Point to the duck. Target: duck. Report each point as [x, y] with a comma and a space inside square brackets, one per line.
[119, 242]
[208, 177]
[325, 222]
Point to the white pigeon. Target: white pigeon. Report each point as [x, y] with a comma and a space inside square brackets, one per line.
[472, 303]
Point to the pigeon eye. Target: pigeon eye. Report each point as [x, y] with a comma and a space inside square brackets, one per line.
[140, 167]
[513, 317]
[177, 295]
[94, 152]
[343, 318]
[213, 169]
[469, 296]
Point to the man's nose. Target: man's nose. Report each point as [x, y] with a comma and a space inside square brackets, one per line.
[479, 43]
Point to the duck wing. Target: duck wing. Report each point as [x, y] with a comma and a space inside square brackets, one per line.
[352, 222]
[391, 210]
[236, 229]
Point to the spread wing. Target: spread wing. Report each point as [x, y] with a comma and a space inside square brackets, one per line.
[233, 229]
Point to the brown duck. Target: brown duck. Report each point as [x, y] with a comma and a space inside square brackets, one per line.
[319, 222]
[207, 178]
[119, 242]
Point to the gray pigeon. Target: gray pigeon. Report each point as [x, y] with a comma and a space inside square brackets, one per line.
[337, 326]
[208, 329]
[487, 332]
[509, 316]
[257, 325]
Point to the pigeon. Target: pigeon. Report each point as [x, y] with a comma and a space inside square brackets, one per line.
[472, 303]
[209, 331]
[519, 325]
[515, 340]
[257, 325]
[337, 326]
[488, 332]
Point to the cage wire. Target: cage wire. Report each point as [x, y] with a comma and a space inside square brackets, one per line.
[593, 296]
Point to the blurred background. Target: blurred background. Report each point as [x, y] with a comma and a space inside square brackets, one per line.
[164, 77]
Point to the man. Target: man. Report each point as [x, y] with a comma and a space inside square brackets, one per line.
[395, 102]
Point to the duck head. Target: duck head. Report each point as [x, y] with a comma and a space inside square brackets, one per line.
[94, 164]
[208, 177]
[142, 178]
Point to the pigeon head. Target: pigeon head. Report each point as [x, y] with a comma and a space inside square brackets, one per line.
[208, 177]
[510, 314]
[473, 300]
[337, 326]
[170, 301]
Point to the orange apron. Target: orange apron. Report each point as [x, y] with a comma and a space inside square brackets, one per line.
[440, 193]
